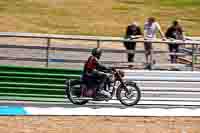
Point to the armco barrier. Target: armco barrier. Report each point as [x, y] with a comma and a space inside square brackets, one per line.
[34, 84]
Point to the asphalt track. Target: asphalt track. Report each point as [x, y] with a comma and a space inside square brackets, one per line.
[162, 94]
[158, 99]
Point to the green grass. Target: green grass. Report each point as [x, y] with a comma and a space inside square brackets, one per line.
[181, 3]
[94, 17]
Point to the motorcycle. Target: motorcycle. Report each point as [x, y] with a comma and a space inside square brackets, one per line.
[127, 92]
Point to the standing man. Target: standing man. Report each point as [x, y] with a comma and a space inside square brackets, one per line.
[133, 31]
[150, 29]
[175, 31]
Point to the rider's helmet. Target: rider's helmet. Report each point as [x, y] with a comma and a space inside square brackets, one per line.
[97, 52]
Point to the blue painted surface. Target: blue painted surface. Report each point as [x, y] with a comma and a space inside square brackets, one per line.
[12, 110]
[56, 60]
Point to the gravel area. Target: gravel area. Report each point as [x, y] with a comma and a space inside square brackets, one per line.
[101, 124]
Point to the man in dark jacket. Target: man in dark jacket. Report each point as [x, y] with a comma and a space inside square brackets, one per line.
[132, 31]
[94, 70]
[174, 32]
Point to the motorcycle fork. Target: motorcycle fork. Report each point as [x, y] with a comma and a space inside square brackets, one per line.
[113, 92]
[124, 86]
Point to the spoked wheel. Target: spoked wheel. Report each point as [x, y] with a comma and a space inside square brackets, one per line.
[131, 97]
[73, 92]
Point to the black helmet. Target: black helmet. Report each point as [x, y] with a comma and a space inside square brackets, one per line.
[175, 22]
[97, 52]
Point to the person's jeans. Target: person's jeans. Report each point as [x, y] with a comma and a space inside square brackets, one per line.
[130, 46]
[173, 48]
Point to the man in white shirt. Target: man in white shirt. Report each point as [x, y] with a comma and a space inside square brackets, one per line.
[150, 29]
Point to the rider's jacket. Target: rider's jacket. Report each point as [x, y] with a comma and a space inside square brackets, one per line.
[93, 65]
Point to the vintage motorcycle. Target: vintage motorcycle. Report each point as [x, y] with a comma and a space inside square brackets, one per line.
[127, 92]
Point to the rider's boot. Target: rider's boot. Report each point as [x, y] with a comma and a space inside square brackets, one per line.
[105, 93]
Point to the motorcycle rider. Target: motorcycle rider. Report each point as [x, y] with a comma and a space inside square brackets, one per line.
[94, 70]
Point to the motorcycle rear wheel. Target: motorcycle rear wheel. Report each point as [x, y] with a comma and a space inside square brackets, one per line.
[73, 92]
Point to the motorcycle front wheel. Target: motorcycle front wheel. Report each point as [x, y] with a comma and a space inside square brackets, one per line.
[130, 98]
[73, 92]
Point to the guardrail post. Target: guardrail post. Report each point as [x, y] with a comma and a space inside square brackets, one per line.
[98, 43]
[193, 57]
[196, 50]
[47, 52]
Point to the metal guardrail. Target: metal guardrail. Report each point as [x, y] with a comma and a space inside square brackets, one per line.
[97, 39]
[92, 38]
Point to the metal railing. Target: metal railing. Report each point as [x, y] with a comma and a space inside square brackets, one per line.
[194, 42]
